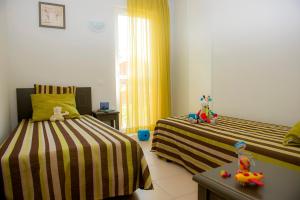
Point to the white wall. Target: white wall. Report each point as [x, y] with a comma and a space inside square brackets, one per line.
[4, 103]
[191, 77]
[179, 69]
[74, 56]
[199, 41]
[246, 54]
[256, 59]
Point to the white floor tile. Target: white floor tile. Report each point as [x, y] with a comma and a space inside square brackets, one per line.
[146, 145]
[178, 185]
[192, 196]
[157, 194]
[153, 159]
[171, 181]
[166, 170]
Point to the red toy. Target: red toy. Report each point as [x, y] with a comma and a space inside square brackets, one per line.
[225, 174]
[244, 163]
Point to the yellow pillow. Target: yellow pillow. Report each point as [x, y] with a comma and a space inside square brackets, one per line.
[292, 138]
[43, 104]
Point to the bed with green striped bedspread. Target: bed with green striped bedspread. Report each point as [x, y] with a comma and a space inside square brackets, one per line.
[75, 159]
[200, 147]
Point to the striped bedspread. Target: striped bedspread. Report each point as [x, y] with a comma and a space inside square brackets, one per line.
[200, 147]
[75, 159]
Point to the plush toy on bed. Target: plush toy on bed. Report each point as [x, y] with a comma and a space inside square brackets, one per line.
[58, 115]
[193, 118]
[205, 114]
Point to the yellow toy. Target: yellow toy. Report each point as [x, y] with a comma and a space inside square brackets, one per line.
[245, 178]
[245, 160]
[58, 115]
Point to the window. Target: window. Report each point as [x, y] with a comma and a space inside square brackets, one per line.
[141, 41]
[122, 68]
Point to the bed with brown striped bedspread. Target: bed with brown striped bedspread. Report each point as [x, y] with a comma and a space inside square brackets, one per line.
[75, 159]
[200, 147]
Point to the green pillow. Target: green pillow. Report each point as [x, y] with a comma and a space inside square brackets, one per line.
[43, 104]
[292, 138]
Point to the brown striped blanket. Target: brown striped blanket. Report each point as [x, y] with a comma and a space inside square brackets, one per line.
[200, 147]
[75, 159]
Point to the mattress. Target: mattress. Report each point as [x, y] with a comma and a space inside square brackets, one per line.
[200, 147]
[75, 159]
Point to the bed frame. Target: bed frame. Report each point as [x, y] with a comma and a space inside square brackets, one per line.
[24, 106]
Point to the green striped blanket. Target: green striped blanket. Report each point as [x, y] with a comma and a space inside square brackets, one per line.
[75, 159]
[200, 147]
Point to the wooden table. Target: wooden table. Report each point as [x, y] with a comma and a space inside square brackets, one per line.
[111, 117]
[280, 184]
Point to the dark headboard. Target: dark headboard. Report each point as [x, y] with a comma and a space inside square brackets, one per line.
[83, 101]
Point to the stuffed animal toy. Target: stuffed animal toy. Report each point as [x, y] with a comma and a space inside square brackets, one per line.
[58, 115]
[205, 114]
[193, 118]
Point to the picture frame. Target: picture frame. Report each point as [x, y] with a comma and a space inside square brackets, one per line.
[104, 106]
[52, 15]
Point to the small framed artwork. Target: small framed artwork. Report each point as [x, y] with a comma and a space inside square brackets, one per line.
[52, 15]
[104, 105]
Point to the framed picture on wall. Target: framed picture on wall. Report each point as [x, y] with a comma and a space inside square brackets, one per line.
[52, 15]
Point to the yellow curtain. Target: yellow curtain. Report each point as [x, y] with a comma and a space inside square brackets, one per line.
[148, 92]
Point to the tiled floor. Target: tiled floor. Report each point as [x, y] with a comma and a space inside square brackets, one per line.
[171, 181]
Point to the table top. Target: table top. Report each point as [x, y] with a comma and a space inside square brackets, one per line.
[101, 112]
[280, 183]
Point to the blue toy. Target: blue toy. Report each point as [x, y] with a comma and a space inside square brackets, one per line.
[193, 116]
[143, 135]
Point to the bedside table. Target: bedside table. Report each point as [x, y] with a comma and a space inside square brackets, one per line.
[280, 183]
[110, 118]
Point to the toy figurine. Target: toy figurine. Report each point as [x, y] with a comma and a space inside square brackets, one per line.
[245, 161]
[224, 174]
[205, 114]
[249, 178]
[193, 118]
